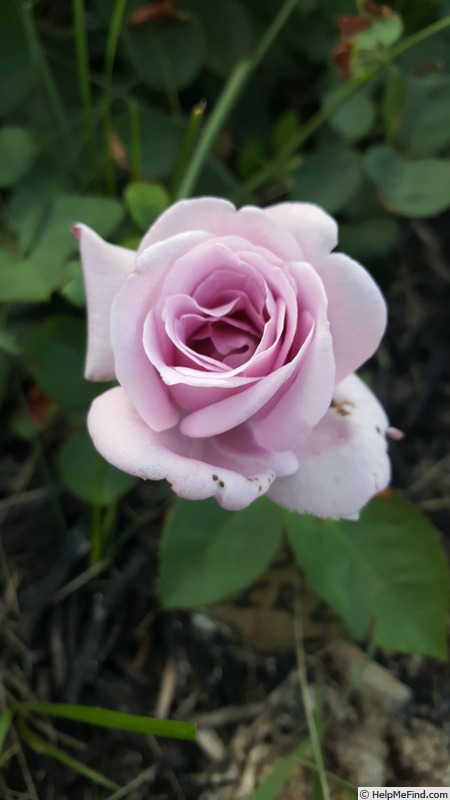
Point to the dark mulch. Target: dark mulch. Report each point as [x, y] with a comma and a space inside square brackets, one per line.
[67, 635]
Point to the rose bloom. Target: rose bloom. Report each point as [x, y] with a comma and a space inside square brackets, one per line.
[234, 336]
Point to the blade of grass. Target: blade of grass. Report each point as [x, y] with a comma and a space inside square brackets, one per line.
[308, 703]
[110, 55]
[41, 746]
[272, 785]
[5, 723]
[274, 782]
[114, 719]
[306, 762]
[53, 95]
[83, 70]
[146, 775]
[135, 141]
[228, 98]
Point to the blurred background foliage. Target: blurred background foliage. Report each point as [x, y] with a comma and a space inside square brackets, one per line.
[106, 105]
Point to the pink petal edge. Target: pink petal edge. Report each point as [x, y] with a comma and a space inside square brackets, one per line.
[124, 440]
[105, 268]
[344, 463]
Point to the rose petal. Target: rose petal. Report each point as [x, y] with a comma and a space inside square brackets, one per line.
[344, 462]
[233, 411]
[121, 436]
[314, 230]
[221, 218]
[291, 399]
[199, 214]
[105, 267]
[288, 417]
[356, 311]
[130, 308]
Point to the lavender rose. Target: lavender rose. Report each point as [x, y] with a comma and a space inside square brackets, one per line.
[234, 336]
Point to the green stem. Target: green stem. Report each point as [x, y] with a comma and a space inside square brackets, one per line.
[53, 95]
[195, 121]
[340, 97]
[112, 41]
[406, 44]
[110, 55]
[135, 141]
[82, 57]
[298, 139]
[228, 98]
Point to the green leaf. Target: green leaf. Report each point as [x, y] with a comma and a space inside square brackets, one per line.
[88, 475]
[425, 123]
[284, 129]
[74, 290]
[389, 28]
[166, 53]
[56, 352]
[410, 188]
[41, 746]
[115, 719]
[20, 281]
[56, 242]
[48, 228]
[250, 158]
[5, 723]
[355, 118]
[15, 60]
[160, 140]
[9, 344]
[368, 240]
[329, 178]
[388, 568]
[208, 553]
[145, 202]
[17, 151]
[228, 32]
[103, 214]
[384, 31]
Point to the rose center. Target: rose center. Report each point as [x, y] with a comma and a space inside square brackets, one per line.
[230, 341]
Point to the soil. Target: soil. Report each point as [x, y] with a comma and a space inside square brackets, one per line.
[96, 636]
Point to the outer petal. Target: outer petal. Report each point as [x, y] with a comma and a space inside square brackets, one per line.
[199, 214]
[356, 311]
[122, 437]
[106, 268]
[344, 462]
[221, 218]
[313, 229]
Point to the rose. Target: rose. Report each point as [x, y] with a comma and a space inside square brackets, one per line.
[234, 336]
